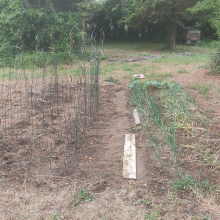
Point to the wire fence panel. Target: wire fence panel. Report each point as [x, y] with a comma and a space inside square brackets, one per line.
[45, 109]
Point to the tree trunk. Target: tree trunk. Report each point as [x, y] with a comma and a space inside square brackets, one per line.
[173, 30]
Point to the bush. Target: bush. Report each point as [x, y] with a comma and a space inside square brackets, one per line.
[215, 63]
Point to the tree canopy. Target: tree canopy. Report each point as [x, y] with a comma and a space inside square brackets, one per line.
[42, 22]
[211, 9]
[39, 23]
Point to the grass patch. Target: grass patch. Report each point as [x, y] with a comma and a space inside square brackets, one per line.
[127, 68]
[56, 216]
[204, 90]
[138, 48]
[136, 65]
[108, 68]
[182, 59]
[182, 70]
[145, 69]
[112, 80]
[83, 196]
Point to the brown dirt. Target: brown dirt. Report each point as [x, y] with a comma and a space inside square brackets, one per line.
[99, 171]
[203, 77]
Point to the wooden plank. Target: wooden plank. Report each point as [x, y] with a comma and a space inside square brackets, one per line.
[129, 159]
[136, 117]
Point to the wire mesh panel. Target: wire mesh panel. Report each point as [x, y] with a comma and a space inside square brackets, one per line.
[45, 109]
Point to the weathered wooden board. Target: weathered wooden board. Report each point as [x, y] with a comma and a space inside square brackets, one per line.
[136, 117]
[129, 159]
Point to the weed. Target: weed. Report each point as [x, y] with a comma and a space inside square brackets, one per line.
[182, 70]
[83, 196]
[135, 128]
[120, 160]
[204, 90]
[184, 183]
[145, 201]
[56, 216]
[149, 216]
[112, 80]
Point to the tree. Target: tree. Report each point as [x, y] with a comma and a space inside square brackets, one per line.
[142, 12]
[39, 23]
[211, 10]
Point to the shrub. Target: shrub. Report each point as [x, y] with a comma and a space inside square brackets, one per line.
[215, 63]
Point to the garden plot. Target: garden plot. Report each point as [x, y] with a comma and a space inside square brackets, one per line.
[177, 146]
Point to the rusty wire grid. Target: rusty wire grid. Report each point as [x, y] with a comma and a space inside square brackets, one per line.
[45, 107]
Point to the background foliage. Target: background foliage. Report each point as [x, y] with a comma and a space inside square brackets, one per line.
[36, 24]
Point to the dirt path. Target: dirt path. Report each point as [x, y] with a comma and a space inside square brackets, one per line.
[114, 121]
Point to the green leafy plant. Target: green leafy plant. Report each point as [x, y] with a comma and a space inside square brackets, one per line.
[145, 201]
[83, 196]
[185, 182]
[149, 216]
[56, 216]
[182, 70]
[215, 63]
[171, 141]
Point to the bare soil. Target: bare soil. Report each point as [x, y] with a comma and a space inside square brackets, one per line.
[98, 170]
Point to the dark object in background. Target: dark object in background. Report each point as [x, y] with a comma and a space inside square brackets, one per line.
[188, 35]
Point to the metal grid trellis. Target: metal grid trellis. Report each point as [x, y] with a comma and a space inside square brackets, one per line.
[45, 109]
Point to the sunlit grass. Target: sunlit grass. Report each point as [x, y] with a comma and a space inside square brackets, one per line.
[183, 59]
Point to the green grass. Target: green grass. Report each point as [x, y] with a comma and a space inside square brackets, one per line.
[56, 216]
[82, 197]
[136, 65]
[142, 47]
[7, 73]
[159, 77]
[145, 69]
[127, 68]
[108, 68]
[182, 70]
[141, 54]
[204, 90]
[177, 60]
